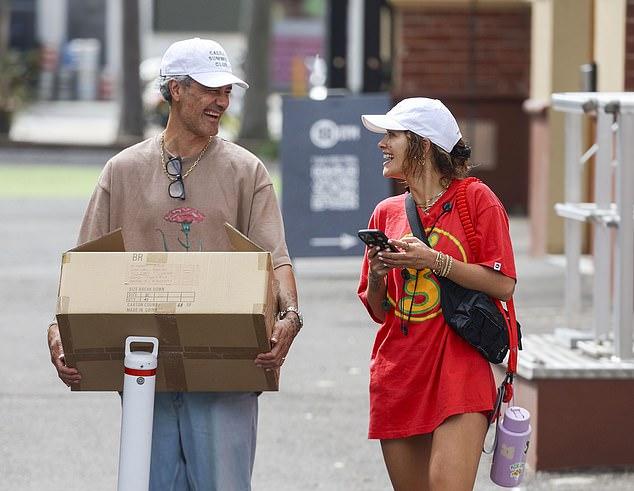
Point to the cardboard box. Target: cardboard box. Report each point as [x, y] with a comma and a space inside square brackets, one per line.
[212, 313]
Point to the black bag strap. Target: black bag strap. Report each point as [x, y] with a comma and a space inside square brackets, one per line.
[414, 219]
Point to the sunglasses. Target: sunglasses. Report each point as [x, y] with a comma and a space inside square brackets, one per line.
[174, 168]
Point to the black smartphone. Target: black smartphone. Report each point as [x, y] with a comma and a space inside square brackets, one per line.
[374, 237]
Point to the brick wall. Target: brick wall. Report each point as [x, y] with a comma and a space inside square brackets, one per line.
[629, 47]
[436, 55]
[480, 68]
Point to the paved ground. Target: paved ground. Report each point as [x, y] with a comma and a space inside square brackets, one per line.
[312, 433]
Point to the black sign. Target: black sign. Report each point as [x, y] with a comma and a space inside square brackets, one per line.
[331, 173]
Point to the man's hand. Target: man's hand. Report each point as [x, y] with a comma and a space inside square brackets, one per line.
[67, 374]
[284, 332]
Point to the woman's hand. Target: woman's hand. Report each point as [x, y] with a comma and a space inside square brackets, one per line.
[376, 290]
[414, 254]
[378, 269]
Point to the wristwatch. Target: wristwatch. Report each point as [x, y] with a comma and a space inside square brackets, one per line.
[288, 309]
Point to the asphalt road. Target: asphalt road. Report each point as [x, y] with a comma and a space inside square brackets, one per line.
[312, 433]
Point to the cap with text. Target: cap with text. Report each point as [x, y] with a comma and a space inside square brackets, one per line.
[428, 118]
[203, 60]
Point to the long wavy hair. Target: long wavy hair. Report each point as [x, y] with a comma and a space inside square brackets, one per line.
[451, 165]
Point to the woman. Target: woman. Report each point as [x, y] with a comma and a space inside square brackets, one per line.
[430, 391]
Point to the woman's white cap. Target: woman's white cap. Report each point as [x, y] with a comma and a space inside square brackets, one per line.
[203, 60]
[428, 118]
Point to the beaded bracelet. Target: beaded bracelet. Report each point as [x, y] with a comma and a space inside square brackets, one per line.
[448, 268]
[439, 263]
[442, 264]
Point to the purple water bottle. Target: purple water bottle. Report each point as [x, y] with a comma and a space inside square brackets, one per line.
[509, 457]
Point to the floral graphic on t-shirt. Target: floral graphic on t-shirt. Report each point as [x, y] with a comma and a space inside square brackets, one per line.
[184, 216]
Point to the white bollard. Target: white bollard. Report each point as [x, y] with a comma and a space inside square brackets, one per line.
[137, 415]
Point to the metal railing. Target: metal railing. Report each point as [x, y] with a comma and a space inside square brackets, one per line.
[613, 237]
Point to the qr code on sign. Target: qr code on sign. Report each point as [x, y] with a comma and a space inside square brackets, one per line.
[334, 182]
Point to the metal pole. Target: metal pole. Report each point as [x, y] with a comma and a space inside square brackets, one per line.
[114, 46]
[602, 247]
[51, 24]
[355, 45]
[572, 228]
[137, 415]
[624, 287]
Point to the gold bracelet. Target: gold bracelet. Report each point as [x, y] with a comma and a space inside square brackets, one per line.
[449, 267]
[444, 270]
[442, 266]
[438, 263]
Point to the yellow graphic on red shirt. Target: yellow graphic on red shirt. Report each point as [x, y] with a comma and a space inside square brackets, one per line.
[419, 292]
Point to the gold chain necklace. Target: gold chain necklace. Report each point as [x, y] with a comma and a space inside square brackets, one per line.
[430, 202]
[191, 168]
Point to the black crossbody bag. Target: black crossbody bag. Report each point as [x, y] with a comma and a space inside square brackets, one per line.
[473, 315]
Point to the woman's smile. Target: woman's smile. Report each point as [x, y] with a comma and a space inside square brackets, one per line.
[394, 147]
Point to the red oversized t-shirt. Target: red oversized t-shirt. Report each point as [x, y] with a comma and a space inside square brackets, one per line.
[420, 379]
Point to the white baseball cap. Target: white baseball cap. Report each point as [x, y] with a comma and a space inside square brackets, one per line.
[428, 118]
[203, 60]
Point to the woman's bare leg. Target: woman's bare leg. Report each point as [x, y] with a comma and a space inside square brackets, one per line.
[407, 462]
[455, 452]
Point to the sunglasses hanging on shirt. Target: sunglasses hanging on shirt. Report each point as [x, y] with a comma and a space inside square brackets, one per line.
[174, 169]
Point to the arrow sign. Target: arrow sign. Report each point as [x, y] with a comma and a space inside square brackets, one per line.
[345, 241]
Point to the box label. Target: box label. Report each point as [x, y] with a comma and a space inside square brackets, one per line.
[146, 299]
[154, 284]
[164, 274]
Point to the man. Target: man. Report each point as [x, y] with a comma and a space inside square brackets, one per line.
[200, 440]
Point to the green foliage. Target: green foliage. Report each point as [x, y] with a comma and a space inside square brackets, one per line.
[17, 78]
[267, 149]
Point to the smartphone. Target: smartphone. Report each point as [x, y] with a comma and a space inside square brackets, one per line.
[374, 237]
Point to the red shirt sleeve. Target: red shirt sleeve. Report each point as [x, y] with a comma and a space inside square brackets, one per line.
[491, 224]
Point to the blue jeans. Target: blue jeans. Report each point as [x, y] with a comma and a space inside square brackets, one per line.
[203, 441]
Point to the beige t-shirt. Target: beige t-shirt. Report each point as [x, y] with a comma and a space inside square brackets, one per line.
[229, 184]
